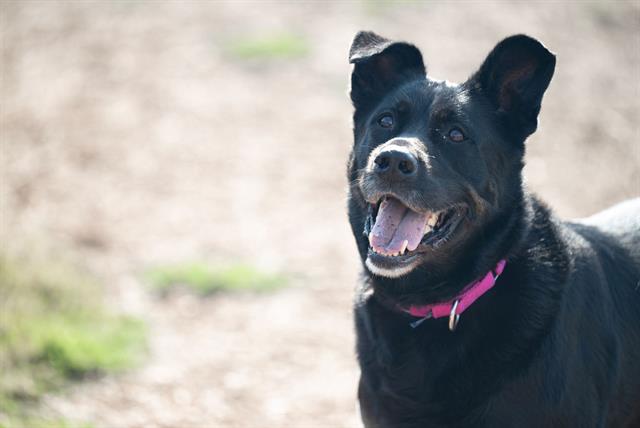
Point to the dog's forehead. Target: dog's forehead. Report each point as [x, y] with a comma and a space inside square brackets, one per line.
[432, 93]
[449, 98]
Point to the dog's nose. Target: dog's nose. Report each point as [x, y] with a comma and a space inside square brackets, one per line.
[396, 162]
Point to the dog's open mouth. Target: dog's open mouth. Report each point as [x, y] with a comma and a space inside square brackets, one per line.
[396, 231]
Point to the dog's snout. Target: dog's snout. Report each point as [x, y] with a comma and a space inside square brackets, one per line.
[396, 162]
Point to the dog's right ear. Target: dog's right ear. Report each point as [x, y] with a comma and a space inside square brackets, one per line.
[380, 65]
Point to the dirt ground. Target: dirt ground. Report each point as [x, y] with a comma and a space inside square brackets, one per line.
[131, 137]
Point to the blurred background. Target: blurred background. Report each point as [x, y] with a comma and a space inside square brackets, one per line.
[175, 249]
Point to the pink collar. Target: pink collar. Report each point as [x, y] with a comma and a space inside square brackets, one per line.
[455, 307]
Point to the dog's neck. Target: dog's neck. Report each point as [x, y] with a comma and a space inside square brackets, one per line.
[455, 307]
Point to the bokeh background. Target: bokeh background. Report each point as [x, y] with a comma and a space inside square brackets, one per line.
[175, 249]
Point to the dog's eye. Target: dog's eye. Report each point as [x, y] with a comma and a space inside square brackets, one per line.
[386, 121]
[456, 135]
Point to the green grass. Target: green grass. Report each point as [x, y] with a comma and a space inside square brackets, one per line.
[267, 47]
[205, 279]
[38, 422]
[53, 329]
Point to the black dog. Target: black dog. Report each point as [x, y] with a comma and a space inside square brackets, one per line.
[438, 210]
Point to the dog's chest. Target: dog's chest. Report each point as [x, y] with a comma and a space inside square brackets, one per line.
[404, 377]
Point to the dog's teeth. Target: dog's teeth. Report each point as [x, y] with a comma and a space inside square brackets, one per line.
[404, 246]
[427, 229]
[432, 220]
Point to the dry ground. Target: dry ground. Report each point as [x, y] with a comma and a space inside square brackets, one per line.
[131, 137]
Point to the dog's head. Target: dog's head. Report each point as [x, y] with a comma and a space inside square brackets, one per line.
[434, 164]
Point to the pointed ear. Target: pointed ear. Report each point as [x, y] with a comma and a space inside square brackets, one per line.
[380, 65]
[515, 76]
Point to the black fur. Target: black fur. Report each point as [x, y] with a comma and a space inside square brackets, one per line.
[556, 342]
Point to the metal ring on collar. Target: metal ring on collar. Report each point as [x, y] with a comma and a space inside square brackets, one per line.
[453, 317]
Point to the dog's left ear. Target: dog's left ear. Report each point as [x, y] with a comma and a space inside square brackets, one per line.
[515, 76]
[380, 65]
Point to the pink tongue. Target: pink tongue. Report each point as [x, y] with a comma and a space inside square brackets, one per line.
[395, 224]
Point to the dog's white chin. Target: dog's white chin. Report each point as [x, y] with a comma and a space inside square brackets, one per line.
[395, 272]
